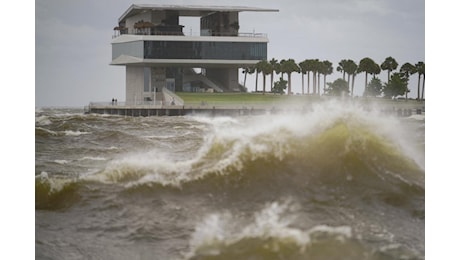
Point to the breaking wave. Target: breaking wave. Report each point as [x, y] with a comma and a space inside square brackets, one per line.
[53, 193]
[338, 146]
[347, 149]
[271, 234]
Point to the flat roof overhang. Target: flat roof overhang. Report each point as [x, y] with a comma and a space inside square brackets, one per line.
[189, 10]
[124, 60]
[132, 38]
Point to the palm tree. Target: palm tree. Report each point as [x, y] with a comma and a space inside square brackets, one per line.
[258, 69]
[389, 64]
[291, 66]
[274, 63]
[423, 85]
[314, 69]
[247, 70]
[320, 66]
[368, 65]
[350, 68]
[376, 70]
[282, 67]
[303, 69]
[306, 67]
[326, 69]
[265, 68]
[420, 69]
[309, 68]
[342, 67]
[407, 69]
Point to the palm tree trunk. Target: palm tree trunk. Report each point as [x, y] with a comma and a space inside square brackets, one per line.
[289, 83]
[303, 85]
[314, 82]
[353, 84]
[263, 91]
[407, 91]
[365, 85]
[245, 75]
[423, 87]
[257, 77]
[308, 82]
[319, 83]
[418, 88]
[324, 84]
[348, 83]
[271, 84]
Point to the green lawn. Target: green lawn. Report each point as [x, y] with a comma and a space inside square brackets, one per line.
[259, 99]
[238, 98]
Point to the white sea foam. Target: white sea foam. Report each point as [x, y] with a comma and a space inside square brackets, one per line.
[91, 158]
[149, 167]
[222, 120]
[75, 133]
[275, 220]
[43, 175]
[61, 161]
[42, 120]
[55, 184]
[418, 117]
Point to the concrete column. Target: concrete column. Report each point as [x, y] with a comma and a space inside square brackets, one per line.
[134, 84]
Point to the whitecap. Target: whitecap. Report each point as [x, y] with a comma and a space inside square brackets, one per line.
[42, 120]
[417, 117]
[93, 158]
[61, 161]
[75, 133]
[50, 132]
[225, 228]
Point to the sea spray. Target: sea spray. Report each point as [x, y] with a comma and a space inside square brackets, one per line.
[231, 145]
[270, 232]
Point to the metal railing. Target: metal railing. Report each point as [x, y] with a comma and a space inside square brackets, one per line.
[152, 104]
[198, 34]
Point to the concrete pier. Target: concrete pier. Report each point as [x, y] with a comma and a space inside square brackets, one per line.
[145, 111]
[174, 111]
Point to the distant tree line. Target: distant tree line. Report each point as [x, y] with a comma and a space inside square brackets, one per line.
[396, 84]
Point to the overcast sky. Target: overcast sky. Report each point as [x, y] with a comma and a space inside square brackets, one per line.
[73, 51]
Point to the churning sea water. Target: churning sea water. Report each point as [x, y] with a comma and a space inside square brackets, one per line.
[338, 182]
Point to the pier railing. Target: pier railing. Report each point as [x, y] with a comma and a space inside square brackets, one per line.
[147, 104]
[198, 34]
[168, 108]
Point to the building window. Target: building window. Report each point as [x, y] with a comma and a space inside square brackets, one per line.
[205, 50]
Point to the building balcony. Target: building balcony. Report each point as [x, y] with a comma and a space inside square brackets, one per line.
[203, 33]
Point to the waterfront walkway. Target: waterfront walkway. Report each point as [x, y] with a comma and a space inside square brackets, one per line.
[398, 109]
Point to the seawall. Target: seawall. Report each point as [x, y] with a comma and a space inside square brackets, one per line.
[402, 110]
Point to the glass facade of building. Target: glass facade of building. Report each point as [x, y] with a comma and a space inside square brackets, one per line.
[205, 50]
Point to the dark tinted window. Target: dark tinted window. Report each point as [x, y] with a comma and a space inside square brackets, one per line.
[205, 50]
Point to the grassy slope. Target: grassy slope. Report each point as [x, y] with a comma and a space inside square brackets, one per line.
[238, 98]
[258, 99]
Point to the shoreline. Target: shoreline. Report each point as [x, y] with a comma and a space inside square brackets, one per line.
[387, 107]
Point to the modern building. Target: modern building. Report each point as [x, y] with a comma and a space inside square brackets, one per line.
[160, 58]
